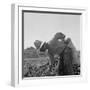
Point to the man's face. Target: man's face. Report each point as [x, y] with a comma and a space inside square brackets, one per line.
[68, 40]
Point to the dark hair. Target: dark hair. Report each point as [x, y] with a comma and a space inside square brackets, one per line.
[59, 35]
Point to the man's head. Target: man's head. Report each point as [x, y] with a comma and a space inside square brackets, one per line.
[68, 40]
[59, 35]
[37, 43]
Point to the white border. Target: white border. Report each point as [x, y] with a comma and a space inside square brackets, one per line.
[16, 76]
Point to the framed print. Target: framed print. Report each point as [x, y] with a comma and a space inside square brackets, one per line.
[47, 44]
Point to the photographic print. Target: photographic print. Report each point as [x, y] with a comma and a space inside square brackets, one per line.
[50, 43]
[47, 43]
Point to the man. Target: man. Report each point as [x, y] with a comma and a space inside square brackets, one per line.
[74, 51]
[55, 47]
[67, 59]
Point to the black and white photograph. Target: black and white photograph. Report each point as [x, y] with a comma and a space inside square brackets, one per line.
[51, 44]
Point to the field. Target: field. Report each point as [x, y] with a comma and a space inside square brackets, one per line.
[36, 61]
[39, 66]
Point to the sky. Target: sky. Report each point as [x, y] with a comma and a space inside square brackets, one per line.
[41, 26]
